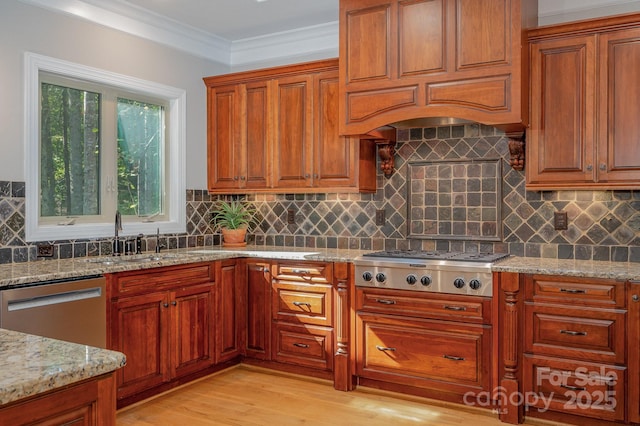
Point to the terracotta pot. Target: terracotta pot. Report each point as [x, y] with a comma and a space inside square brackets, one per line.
[234, 237]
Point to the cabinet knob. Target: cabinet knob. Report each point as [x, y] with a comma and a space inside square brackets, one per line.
[174, 303]
[166, 305]
[306, 176]
[235, 178]
[242, 178]
[603, 167]
[589, 167]
[315, 176]
[635, 298]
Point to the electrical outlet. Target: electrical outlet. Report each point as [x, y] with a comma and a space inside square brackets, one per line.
[380, 217]
[291, 216]
[560, 221]
[45, 250]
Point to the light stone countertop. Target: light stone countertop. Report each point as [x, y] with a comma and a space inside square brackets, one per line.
[45, 270]
[570, 267]
[30, 364]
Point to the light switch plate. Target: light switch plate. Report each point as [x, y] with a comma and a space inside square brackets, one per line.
[380, 217]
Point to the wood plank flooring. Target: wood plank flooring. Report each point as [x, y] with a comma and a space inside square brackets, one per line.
[251, 396]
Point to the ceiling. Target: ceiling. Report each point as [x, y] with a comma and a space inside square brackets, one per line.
[245, 32]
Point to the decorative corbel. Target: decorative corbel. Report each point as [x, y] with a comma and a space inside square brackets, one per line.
[387, 152]
[517, 150]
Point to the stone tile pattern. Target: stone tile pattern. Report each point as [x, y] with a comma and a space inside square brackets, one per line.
[603, 225]
[456, 200]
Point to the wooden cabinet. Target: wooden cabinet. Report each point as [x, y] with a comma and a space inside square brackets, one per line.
[302, 313]
[258, 310]
[572, 342]
[91, 403]
[229, 301]
[407, 59]
[435, 345]
[276, 130]
[239, 146]
[162, 320]
[584, 131]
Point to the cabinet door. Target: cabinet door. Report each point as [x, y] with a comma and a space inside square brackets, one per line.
[227, 317]
[192, 329]
[224, 145]
[257, 150]
[335, 158]
[258, 339]
[140, 327]
[618, 124]
[561, 140]
[293, 131]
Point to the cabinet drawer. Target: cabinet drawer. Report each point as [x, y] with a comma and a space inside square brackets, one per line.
[306, 272]
[161, 278]
[308, 304]
[581, 388]
[309, 346]
[423, 353]
[574, 291]
[584, 333]
[424, 305]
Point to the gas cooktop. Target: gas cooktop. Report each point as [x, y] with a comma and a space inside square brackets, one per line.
[438, 255]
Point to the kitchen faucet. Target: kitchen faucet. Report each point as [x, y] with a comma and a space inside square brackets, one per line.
[116, 241]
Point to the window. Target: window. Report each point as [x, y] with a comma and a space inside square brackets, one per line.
[97, 143]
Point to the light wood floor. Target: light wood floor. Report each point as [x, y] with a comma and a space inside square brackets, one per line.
[250, 396]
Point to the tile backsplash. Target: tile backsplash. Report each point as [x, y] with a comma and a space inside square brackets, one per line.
[429, 203]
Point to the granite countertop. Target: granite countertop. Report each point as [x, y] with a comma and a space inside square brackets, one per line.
[31, 364]
[570, 267]
[47, 269]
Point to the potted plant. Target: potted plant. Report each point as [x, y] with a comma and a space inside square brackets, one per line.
[232, 219]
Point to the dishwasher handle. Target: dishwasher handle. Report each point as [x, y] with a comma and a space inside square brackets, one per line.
[53, 299]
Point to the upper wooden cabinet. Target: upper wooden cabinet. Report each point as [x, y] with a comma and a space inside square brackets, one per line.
[584, 127]
[408, 59]
[276, 130]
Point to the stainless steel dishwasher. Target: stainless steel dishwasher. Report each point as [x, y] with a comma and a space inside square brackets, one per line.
[71, 310]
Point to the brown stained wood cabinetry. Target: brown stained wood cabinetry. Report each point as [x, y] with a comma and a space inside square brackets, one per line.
[276, 129]
[162, 320]
[435, 345]
[258, 312]
[90, 403]
[407, 59]
[302, 313]
[584, 130]
[229, 303]
[575, 344]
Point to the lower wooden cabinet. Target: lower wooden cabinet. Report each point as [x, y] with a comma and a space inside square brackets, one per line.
[423, 353]
[304, 345]
[571, 346]
[229, 323]
[258, 312]
[89, 403]
[164, 327]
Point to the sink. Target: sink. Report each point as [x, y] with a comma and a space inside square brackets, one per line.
[261, 253]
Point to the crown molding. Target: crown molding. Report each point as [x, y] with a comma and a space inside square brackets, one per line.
[142, 23]
[321, 38]
[555, 13]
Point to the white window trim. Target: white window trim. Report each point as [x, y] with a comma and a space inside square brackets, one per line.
[176, 204]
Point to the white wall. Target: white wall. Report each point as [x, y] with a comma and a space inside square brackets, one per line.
[28, 28]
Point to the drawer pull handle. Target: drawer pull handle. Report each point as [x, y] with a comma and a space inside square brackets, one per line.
[574, 333]
[301, 271]
[386, 301]
[573, 291]
[308, 305]
[384, 349]
[454, 308]
[453, 358]
[301, 345]
[573, 388]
